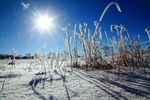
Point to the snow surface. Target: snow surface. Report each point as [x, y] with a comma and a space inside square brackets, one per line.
[27, 81]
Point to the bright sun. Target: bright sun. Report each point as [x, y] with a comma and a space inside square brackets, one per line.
[44, 22]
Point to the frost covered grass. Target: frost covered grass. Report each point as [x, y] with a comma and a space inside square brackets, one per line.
[125, 50]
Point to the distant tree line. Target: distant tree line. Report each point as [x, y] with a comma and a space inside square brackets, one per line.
[7, 56]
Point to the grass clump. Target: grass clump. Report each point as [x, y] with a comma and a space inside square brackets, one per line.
[126, 51]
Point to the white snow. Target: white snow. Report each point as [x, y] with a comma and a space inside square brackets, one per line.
[77, 85]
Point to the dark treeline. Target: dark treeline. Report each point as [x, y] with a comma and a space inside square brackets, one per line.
[7, 56]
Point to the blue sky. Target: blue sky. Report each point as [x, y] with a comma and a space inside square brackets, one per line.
[17, 23]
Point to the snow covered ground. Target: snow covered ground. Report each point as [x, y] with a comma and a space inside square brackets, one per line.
[27, 81]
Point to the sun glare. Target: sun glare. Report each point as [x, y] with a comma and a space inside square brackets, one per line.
[44, 22]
